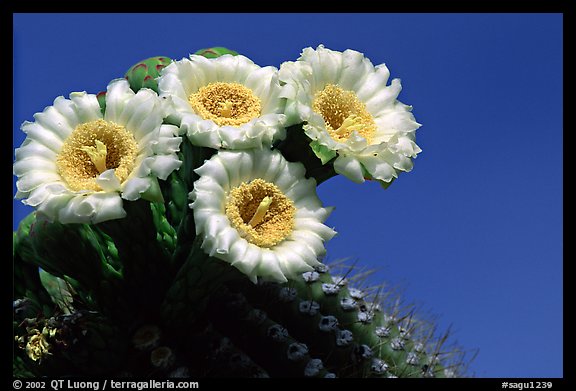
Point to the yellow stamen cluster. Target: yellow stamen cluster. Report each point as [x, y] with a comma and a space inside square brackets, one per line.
[229, 104]
[36, 343]
[260, 212]
[92, 148]
[343, 113]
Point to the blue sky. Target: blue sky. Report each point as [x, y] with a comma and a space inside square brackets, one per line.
[473, 234]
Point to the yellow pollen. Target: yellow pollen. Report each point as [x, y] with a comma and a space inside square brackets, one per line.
[92, 148]
[230, 104]
[260, 212]
[343, 113]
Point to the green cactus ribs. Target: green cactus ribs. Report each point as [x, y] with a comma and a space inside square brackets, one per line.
[351, 332]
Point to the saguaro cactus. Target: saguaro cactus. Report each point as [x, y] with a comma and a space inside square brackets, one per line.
[144, 285]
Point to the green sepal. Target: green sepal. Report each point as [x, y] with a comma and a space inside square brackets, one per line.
[369, 177]
[323, 153]
[153, 193]
[59, 290]
[101, 96]
[385, 185]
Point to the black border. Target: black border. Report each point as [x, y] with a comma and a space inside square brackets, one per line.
[566, 7]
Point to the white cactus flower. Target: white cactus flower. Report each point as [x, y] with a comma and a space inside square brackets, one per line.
[76, 164]
[226, 102]
[256, 211]
[350, 114]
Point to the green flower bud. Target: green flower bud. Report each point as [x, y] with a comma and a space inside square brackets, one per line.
[144, 73]
[216, 51]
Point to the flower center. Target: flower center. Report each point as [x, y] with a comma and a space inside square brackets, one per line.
[260, 212]
[92, 148]
[229, 104]
[37, 345]
[343, 113]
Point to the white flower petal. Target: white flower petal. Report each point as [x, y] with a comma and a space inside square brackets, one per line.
[308, 238]
[134, 187]
[295, 258]
[350, 168]
[236, 251]
[51, 120]
[92, 209]
[316, 228]
[200, 131]
[34, 149]
[118, 93]
[384, 98]
[42, 135]
[225, 239]
[374, 83]
[355, 70]
[268, 168]
[171, 82]
[379, 169]
[162, 165]
[269, 267]
[400, 119]
[142, 114]
[86, 106]
[43, 192]
[109, 208]
[32, 179]
[300, 190]
[53, 204]
[217, 171]
[248, 262]
[33, 164]
[108, 181]
[326, 65]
